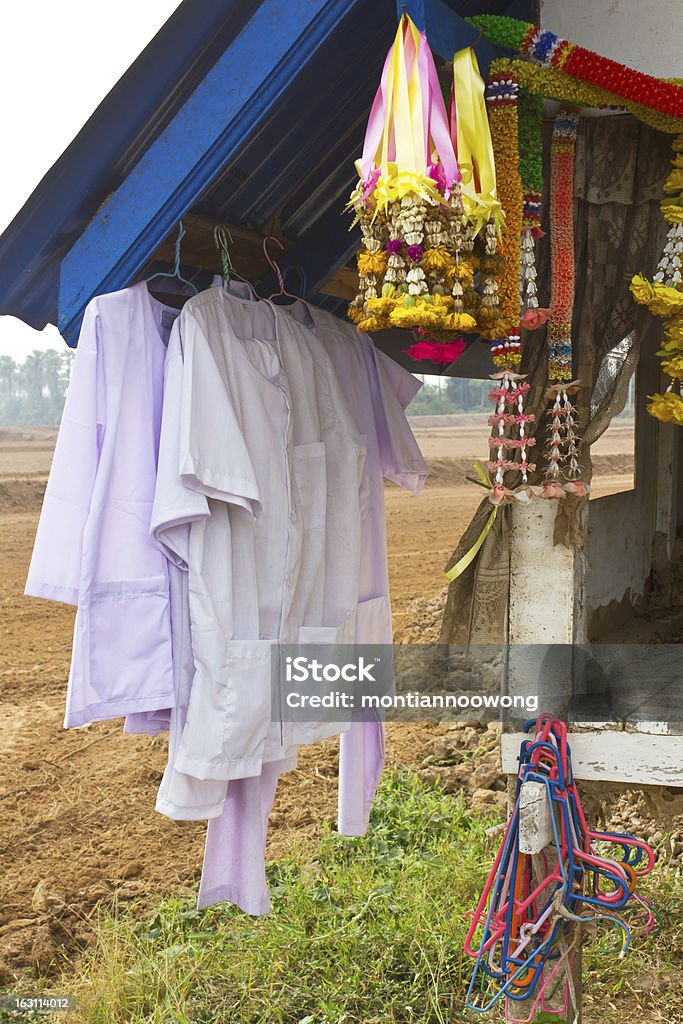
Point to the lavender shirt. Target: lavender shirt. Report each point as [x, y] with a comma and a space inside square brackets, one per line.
[93, 547]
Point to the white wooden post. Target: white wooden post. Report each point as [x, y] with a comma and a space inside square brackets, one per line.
[547, 603]
[547, 606]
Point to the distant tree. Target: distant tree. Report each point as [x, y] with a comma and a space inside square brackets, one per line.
[33, 378]
[33, 392]
[53, 400]
[67, 361]
[8, 374]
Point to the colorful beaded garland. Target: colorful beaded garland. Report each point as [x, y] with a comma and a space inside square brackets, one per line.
[562, 446]
[498, 318]
[550, 50]
[556, 85]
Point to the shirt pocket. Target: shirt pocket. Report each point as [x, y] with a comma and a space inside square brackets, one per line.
[228, 718]
[130, 643]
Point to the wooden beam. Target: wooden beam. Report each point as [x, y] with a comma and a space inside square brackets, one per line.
[637, 758]
[199, 248]
[344, 284]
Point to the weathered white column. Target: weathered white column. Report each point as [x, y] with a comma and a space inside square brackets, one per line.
[547, 607]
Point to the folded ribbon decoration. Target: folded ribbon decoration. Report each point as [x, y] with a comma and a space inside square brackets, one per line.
[407, 129]
[467, 559]
[472, 135]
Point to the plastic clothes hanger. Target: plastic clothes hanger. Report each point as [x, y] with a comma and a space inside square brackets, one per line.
[518, 935]
[223, 240]
[175, 274]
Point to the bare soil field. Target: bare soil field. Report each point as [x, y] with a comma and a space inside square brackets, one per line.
[78, 821]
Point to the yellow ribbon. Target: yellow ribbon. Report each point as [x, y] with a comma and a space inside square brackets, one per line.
[467, 559]
[473, 137]
[403, 106]
[417, 124]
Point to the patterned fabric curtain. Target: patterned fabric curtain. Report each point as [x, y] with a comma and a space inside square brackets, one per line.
[620, 168]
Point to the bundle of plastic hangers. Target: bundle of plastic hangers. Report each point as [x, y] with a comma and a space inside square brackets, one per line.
[522, 934]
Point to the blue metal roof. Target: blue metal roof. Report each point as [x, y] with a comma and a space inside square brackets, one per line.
[250, 113]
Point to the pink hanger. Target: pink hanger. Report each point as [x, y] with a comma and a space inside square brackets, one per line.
[283, 293]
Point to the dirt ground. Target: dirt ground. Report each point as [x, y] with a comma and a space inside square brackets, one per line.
[78, 820]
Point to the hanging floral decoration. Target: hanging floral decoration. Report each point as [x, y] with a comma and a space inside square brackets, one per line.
[550, 50]
[664, 295]
[409, 205]
[562, 446]
[531, 174]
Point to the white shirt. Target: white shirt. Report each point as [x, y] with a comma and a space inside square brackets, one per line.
[258, 497]
[378, 391]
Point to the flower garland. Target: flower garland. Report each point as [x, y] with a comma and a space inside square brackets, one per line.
[563, 465]
[499, 318]
[664, 296]
[551, 50]
[530, 115]
[556, 85]
[562, 246]
[482, 210]
[530, 108]
[562, 445]
[501, 321]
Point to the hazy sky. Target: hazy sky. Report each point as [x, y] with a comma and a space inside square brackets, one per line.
[59, 60]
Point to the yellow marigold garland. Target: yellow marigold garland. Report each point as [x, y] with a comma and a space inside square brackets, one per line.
[502, 102]
[510, 445]
[663, 296]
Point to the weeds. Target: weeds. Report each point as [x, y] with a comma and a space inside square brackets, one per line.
[369, 931]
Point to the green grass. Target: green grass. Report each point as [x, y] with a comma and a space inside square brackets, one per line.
[369, 931]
